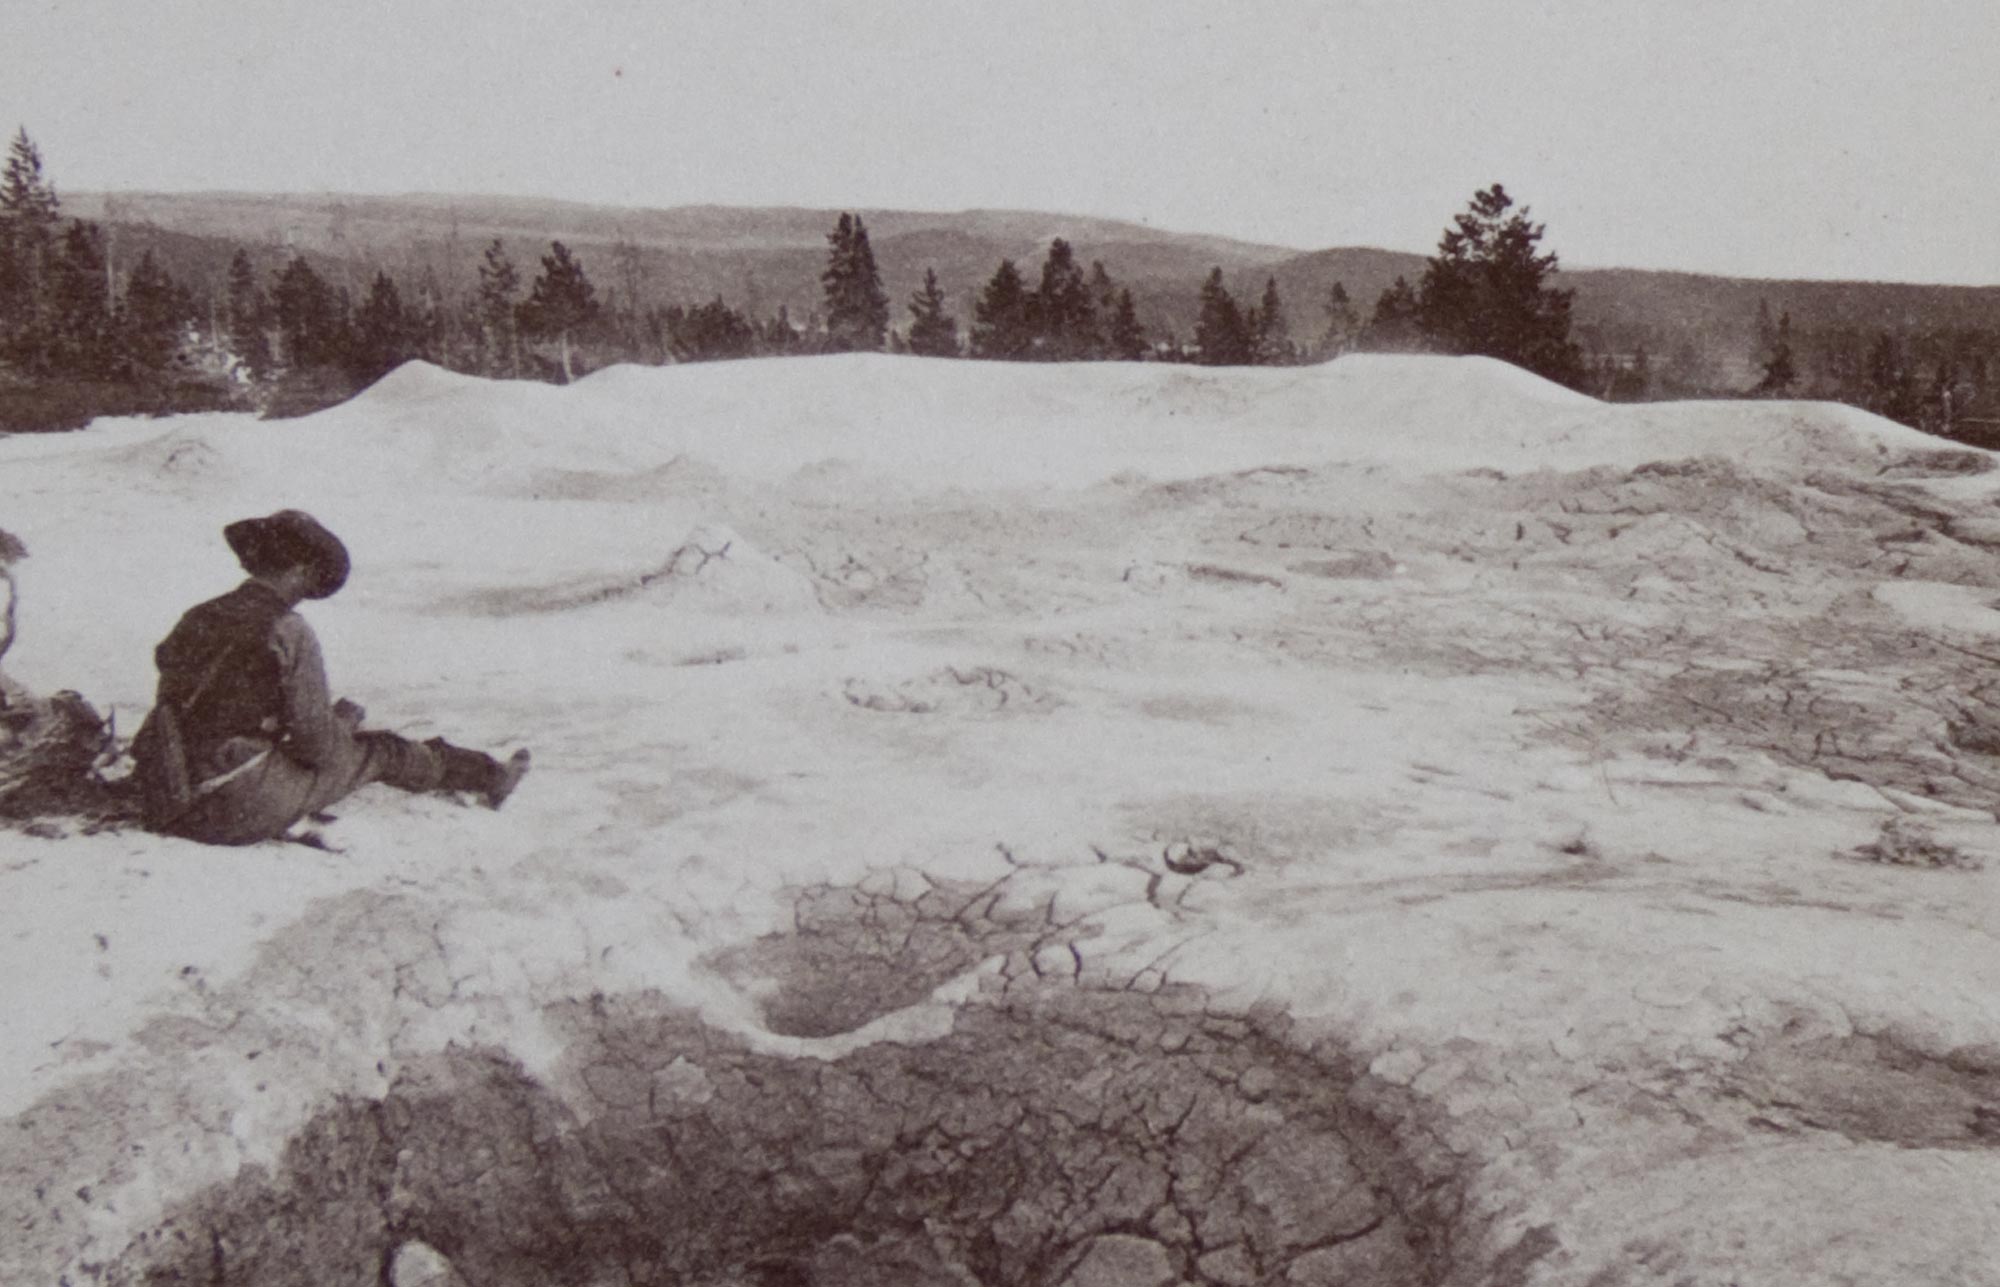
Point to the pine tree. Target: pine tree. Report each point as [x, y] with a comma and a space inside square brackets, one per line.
[871, 301]
[83, 340]
[1343, 324]
[500, 334]
[1002, 324]
[560, 304]
[1065, 320]
[30, 219]
[933, 332]
[780, 336]
[1486, 292]
[311, 318]
[28, 205]
[1396, 325]
[1272, 336]
[152, 319]
[1780, 370]
[382, 338]
[1892, 381]
[1222, 334]
[857, 309]
[249, 319]
[1127, 339]
[1103, 291]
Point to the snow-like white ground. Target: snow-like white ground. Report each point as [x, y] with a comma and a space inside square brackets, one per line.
[1518, 745]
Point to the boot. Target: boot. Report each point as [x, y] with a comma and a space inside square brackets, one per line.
[479, 773]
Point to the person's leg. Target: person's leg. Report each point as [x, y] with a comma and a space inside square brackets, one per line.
[434, 765]
[276, 793]
[475, 771]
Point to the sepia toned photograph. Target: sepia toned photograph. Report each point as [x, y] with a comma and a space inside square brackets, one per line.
[1301, 643]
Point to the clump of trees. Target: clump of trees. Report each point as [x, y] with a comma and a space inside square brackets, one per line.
[79, 333]
[1486, 292]
[1068, 317]
[1940, 378]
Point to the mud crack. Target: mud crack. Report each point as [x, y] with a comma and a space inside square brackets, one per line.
[1044, 1140]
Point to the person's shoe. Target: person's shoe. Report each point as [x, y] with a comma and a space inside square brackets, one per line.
[507, 777]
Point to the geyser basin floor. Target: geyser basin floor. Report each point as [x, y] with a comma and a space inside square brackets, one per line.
[1597, 799]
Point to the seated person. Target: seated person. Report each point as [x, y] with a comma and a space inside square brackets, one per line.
[244, 739]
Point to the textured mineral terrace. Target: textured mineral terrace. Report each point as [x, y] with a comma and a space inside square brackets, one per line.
[1393, 822]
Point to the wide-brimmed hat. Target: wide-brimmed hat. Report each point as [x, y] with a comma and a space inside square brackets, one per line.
[286, 539]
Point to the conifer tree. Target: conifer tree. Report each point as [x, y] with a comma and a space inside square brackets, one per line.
[382, 338]
[82, 341]
[1486, 291]
[1222, 334]
[933, 332]
[1065, 319]
[28, 205]
[249, 319]
[30, 219]
[1780, 370]
[857, 309]
[1343, 324]
[1103, 291]
[311, 318]
[1892, 380]
[1002, 324]
[499, 284]
[154, 312]
[560, 304]
[779, 335]
[1272, 337]
[871, 301]
[1396, 324]
[1126, 338]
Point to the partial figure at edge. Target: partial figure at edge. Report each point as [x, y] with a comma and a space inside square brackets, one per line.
[244, 739]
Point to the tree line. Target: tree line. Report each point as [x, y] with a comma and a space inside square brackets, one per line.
[64, 312]
[72, 318]
[1944, 379]
[69, 314]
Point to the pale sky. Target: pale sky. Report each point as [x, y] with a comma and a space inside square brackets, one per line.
[1813, 138]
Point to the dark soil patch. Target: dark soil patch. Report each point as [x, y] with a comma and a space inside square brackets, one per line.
[1061, 1131]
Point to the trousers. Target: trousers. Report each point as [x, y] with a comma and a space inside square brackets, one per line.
[267, 796]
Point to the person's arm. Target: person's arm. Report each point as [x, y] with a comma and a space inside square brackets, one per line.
[313, 730]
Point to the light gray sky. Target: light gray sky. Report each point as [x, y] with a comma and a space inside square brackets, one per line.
[1817, 138]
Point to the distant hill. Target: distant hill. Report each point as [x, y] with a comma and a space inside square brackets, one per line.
[755, 258]
[759, 258]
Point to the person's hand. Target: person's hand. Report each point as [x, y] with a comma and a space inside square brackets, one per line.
[349, 713]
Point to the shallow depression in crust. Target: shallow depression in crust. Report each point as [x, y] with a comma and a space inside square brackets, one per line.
[1062, 1135]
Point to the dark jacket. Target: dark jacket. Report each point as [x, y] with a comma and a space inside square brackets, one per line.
[263, 745]
[253, 668]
